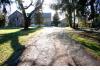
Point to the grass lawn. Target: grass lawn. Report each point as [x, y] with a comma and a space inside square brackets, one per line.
[91, 41]
[12, 43]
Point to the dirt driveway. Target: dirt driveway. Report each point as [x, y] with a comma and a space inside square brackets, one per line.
[53, 47]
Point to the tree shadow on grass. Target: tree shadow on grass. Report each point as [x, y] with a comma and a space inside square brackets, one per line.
[15, 45]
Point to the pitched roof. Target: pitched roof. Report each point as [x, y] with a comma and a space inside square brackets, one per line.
[15, 13]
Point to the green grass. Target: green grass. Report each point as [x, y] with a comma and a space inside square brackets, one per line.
[12, 43]
[91, 46]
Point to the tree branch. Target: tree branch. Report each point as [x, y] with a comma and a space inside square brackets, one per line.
[28, 6]
[36, 8]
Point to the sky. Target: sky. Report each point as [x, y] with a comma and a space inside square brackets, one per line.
[46, 7]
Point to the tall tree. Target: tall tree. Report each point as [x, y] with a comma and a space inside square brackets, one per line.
[4, 3]
[2, 20]
[74, 3]
[27, 19]
[82, 8]
[68, 6]
[55, 19]
[55, 7]
[86, 8]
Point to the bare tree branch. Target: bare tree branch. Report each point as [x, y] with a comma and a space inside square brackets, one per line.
[29, 5]
[36, 8]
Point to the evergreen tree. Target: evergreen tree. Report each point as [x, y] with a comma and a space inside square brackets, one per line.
[55, 19]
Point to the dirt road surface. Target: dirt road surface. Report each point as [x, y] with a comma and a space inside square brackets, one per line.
[53, 47]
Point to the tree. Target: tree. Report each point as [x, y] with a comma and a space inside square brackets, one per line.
[56, 19]
[55, 7]
[38, 18]
[27, 19]
[74, 3]
[2, 20]
[4, 3]
[87, 9]
[69, 7]
[82, 9]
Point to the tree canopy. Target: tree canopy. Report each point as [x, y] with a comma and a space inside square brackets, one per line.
[87, 9]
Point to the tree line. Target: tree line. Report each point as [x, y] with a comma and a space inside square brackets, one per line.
[81, 10]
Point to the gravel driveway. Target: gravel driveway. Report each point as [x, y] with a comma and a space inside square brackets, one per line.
[53, 47]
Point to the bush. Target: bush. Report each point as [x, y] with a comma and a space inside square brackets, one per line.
[2, 20]
[96, 23]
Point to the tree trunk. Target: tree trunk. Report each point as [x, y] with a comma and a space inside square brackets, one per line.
[25, 27]
[27, 19]
[70, 19]
[24, 15]
[74, 26]
[26, 23]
